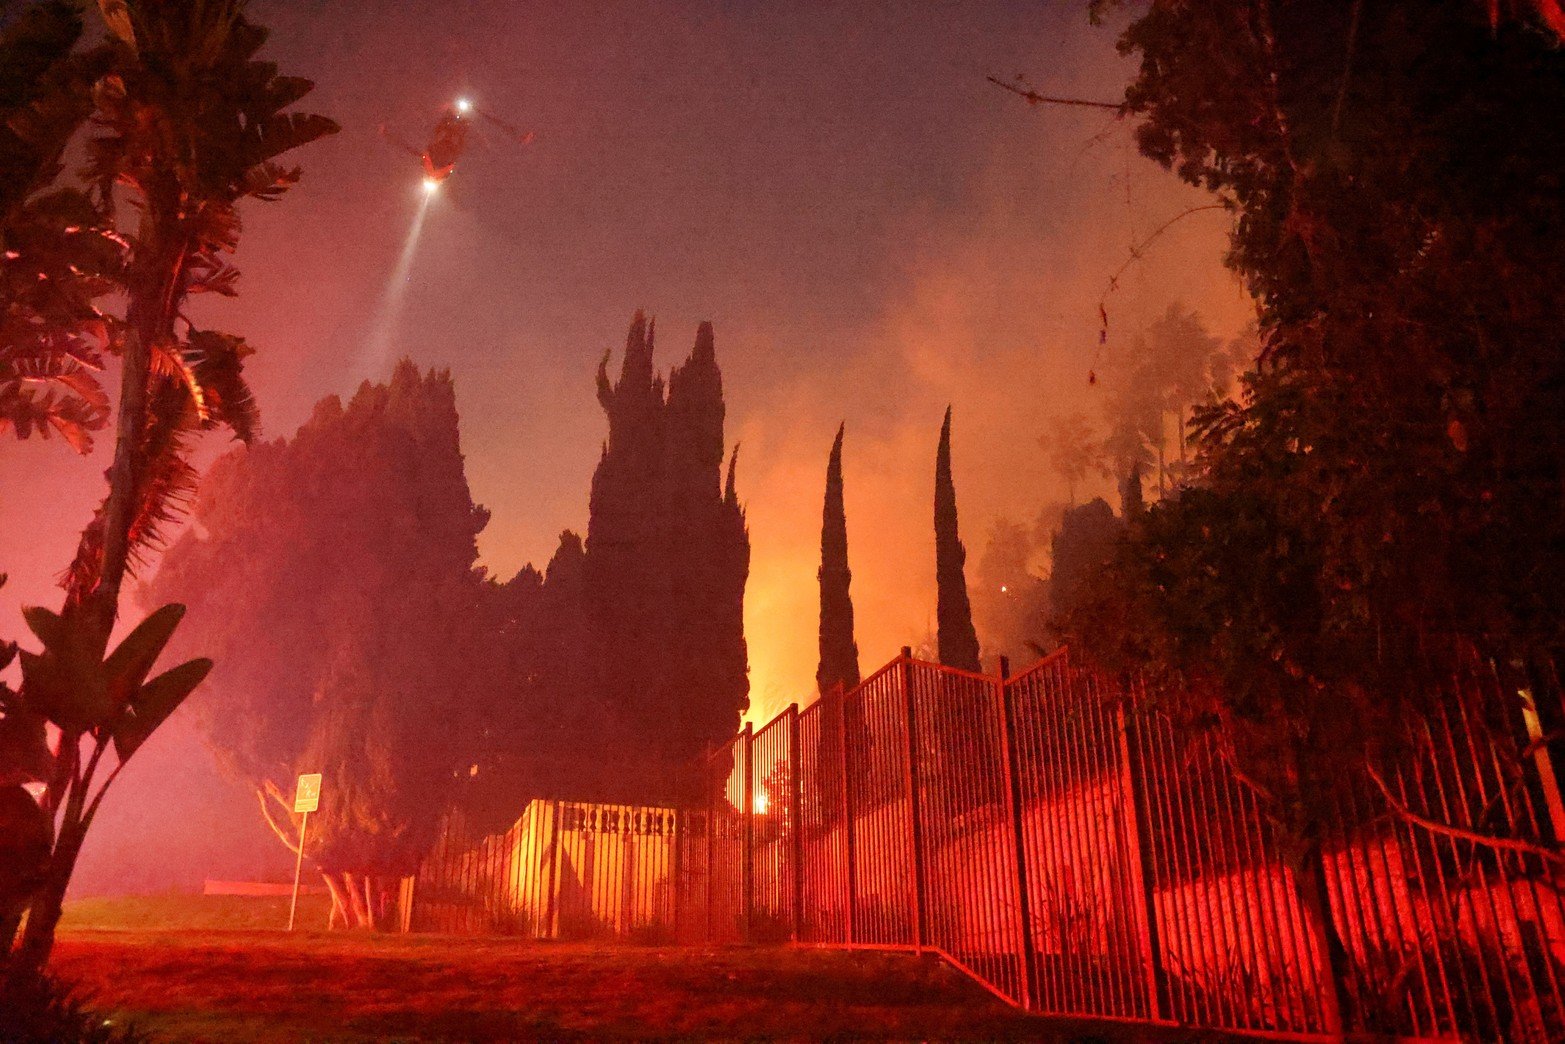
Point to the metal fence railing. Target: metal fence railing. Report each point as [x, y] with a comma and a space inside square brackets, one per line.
[1070, 847]
[1075, 850]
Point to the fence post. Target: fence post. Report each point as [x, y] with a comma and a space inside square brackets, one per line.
[551, 909]
[747, 834]
[796, 819]
[847, 814]
[1013, 799]
[709, 782]
[678, 875]
[915, 818]
[1137, 827]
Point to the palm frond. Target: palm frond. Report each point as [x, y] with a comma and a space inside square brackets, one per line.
[164, 493]
[214, 226]
[217, 360]
[267, 181]
[243, 39]
[42, 103]
[26, 413]
[48, 384]
[286, 131]
[208, 275]
[169, 362]
[116, 16]
[279, 92]
[56, 360]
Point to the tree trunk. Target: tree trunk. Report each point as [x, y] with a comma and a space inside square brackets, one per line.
[371, 907]
[1162, 461]
[1334, 999]
[339, 904]
[355, 892]
[154, 296]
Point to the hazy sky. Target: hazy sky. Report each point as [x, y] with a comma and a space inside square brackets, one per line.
[874, 231]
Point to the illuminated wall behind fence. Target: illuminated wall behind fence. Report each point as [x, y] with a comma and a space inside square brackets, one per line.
[564, 870]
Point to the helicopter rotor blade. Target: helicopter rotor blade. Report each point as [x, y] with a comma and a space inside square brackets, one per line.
[396, 142]
[520, 137]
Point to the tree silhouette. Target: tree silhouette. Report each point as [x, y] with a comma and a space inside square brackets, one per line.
[1388, 488]
[838, 669]
[1082, 550]
[58, 251]
[1010, 602]
[1172, 365]
[185, 124]
[839, 654]
[954, 616]
[332, 575]
[1074, 450]
[667, 558]
[188, 124]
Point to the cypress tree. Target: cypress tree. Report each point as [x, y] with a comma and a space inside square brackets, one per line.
[1131, 501]
[957, 640]
[839, 662]
[666, 560]
[361, 650]
[725, 692]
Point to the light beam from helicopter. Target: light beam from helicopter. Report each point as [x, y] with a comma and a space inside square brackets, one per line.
[377, 347]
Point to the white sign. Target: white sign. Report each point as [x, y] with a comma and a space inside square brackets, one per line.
[308, 797]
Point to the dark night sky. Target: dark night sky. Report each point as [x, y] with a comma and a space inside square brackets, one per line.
[873, 229]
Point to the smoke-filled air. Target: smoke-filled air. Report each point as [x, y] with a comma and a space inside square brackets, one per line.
[1073, 488]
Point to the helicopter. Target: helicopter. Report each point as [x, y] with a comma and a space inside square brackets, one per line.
[449, 140]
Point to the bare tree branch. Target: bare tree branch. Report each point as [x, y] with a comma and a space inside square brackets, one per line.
[1447, 830]
[285, 836]
[1347, 67]
[1137, 251]
[1034, 98]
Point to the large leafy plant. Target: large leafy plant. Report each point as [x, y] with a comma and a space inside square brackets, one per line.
[96, 700]
[58, 252]
[177, 120]
[187, 123]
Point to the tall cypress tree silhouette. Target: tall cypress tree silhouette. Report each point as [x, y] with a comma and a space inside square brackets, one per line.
[839, 662]
[667, 557]
[838, 670]
[1131, 500]
[957, 640]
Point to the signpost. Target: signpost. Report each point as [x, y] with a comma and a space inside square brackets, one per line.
[306, 799]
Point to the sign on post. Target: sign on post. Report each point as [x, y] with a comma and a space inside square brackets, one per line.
[306, 799]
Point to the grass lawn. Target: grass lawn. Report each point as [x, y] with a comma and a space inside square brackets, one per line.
[206, 980]
[196, 912]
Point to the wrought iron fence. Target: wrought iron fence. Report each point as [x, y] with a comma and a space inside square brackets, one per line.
[1070, 847]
